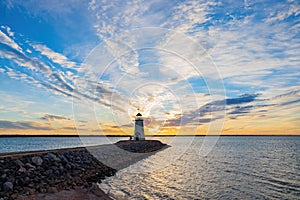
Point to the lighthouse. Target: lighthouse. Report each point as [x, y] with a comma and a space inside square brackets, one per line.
[139, 128]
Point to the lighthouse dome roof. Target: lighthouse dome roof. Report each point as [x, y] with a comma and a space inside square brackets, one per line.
[139, 115]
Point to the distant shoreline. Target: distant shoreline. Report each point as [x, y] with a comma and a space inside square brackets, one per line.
[264, 135]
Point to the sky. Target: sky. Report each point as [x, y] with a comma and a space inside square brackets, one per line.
[190, 67]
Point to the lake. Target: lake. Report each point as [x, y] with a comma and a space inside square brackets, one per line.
[236, 168]
[17, 144]
[247, 167]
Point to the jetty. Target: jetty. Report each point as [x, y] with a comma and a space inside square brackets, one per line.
[71, 173]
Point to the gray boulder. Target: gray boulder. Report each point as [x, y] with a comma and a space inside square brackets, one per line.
[30, 166]
[19, 163]
[7, 186]
[53, 157]
[37, 160]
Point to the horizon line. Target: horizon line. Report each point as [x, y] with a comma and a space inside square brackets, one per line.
[224, 135]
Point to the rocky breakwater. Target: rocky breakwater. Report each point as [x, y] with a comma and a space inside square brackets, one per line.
[142, 146]
[55, 173]
[23, 175]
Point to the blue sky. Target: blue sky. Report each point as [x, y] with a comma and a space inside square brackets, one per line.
[190, 67]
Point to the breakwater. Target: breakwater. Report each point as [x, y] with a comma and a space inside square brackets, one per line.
[32, 175]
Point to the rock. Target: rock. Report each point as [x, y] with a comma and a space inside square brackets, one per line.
[75, 166]
[117, 194]
[11, 179]
[28, 165]
[3, 176]
[8, 186]
[42, 190]
[18, 188]
[48, 172]
[22, 169]
[19, 163]
[53, 157]
[29, 190]
[26, 181]
[77, 159]
[68, 166]
[142, 146]
[61, 168]
[52, 190]
[38, 161]
[62, 158]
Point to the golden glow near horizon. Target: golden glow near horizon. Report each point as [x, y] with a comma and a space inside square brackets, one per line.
[245, 126]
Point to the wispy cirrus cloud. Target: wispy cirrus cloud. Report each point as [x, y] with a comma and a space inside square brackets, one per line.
[6, 39]
[209, 111]
[55, 57]
[43, 74]
[283, 11]
[23, 125]
[49, 117]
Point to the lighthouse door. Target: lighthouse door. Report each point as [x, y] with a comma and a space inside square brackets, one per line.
[138, 135]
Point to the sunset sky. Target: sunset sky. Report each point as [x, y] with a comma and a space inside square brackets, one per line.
[190, 67]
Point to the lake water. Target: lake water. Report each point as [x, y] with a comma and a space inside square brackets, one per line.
[236, 168]
[16, 144]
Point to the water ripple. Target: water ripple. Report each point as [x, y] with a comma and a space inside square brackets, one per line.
[237, 168]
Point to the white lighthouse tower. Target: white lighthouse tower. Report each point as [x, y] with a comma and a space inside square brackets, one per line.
[139, 128]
